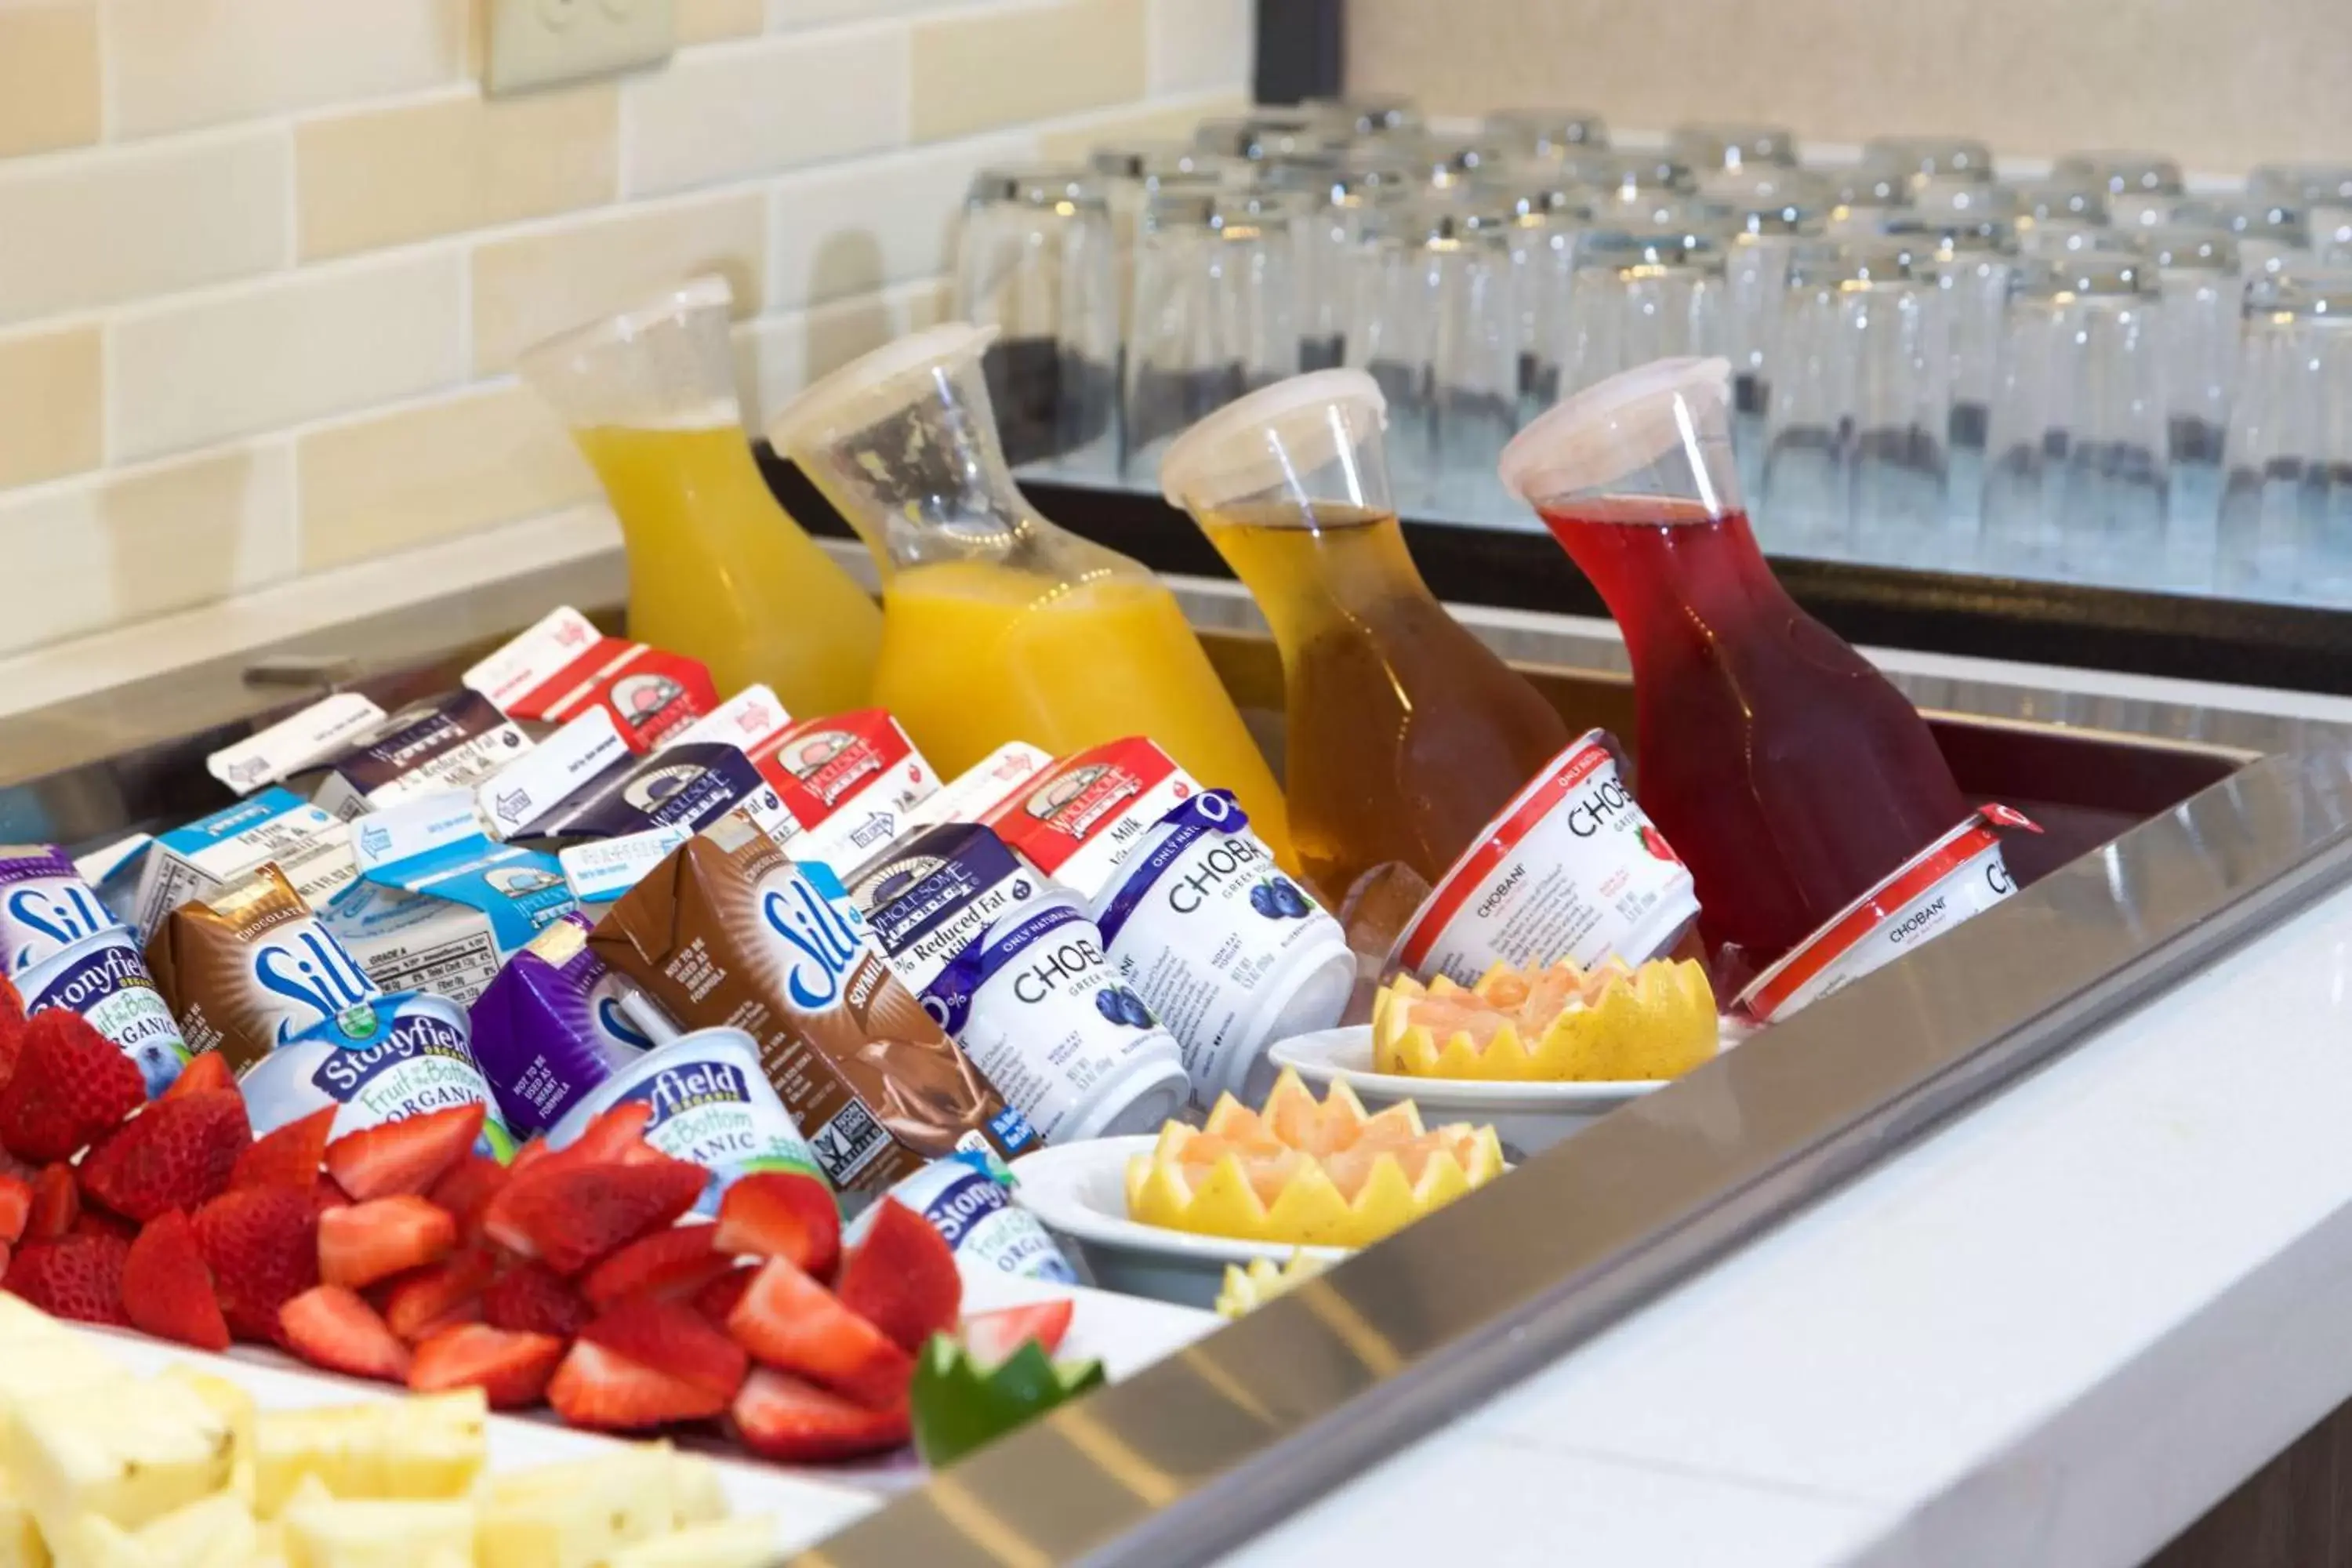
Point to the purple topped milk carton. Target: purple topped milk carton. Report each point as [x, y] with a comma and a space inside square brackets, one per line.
[551, 1028]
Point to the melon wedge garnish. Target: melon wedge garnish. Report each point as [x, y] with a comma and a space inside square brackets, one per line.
[1558, 1024]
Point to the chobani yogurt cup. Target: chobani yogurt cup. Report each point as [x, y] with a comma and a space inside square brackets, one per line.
[964, 1198]
[416, 1058]
[102, 977]
[1571, 868]
[713, 1105]
[1230, 955]
[1960, 875]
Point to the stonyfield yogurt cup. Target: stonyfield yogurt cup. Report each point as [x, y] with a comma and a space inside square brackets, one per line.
[102, 977]
[415, 1057]
[1960, 875]
[711, 1105]
[1571, 868]
[964, 1198]
[1230, 955]
[550, 1030]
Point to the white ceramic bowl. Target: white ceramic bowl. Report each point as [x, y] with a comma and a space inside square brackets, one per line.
[1527, 1117]
[1078, 1192]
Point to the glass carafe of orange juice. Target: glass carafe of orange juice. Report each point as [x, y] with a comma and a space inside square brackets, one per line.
[998, 625]
[717, 570]
[1406, 734]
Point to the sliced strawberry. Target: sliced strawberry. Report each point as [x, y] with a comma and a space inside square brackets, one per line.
[172, 1155]
[670, 1263]
[610, 1392]
[76, 1277]
[12, 1026]
[326, 1196]
[780, 1417]
[466, 1188]
[289, 1156]
[94, 1221]
[616, 1137]
[511, 1370]
[990, 1337]
[902, 1278]
[532, 1298]
[791, 1321]
[71, 1085]
[716, 1300]
[57, 1203]
[533, 1152]
[167, 1291]
[673, 1339]
[405, 1156]
[205, 1071]
[333, 1326]
[419, 1303]
[569, 1216]
[262, 1245]
[16, 1207]
[783, 1214]
[360, 1244]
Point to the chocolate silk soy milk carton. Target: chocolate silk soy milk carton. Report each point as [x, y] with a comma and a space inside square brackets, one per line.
[728, 931]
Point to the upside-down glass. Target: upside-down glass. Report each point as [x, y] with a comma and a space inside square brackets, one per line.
[2287, 501]
[1547, 133]
[1773, 211]
[1037, 258]
[1342, 209]
[1710, 147]
[2075, 479]
[1853, 460]
[1972, 265]
[2203, 297]
[1638, 295]
[1921, 158]
[1866, 202]
[2141, 187]
[2322, 192]
[1215, 311]
[2272, 236]
[1547, 219]
[1269, 132]
[1371, 117]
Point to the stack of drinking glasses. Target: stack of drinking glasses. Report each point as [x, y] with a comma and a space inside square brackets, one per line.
[2095, 374]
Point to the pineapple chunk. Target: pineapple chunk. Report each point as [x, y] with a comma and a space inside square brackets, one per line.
[749, 1542]
[101, 1543]
[576, 1514]
[130, 1457]
[235, 1405]
[21, 1545]
[421, 1448]
[695, 1495]
[216, 1532]
[380, 1534]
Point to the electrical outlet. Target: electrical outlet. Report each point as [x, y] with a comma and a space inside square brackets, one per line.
[540, 43]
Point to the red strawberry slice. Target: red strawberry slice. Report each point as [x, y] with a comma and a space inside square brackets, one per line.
[15, 1207]
[466, 1188]
[669, 1263]
[673, 1339]
[616, 1137]
[990, 1337]
[902, 1278]
[76, 1277]
[262, 1245]
[326, 1196]
[569, 1216]
[99, 1222]
[532, 1298]
[360, 1244]
[610, 1392]
[405, 1156]
[71, 1085]
[780, 1417]
[716, 1300]
[167, 1291]
[783, 1214]
[172, 1155]
[56, 1203]
[12, 1026]
[419, 1304]
[205, 1071]
[288, 1157]
[333, 1326]
[511, 1370]
[791, 1321]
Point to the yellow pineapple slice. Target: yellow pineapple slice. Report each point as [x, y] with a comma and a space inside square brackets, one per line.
[1306, 1172]
[1557, 1023]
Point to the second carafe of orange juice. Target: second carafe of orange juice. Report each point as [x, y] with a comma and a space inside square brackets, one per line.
[1406, 734]
[998, 625]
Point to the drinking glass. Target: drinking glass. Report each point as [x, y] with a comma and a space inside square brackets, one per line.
[1638, 294]
[1773, 211]
[1853, 460]
[2203, 297]
[1215, 311]
[1370, 117]
[1037, 258]
[1866, 201]
[1708, 147]
[1343, 209]
[1547, 133]
[1129, 174]
[2286, 499]
[1918, 158]
[2076, 476]
[2323, 193]
[1547, 219]
[2141, 187]
[2272, 235]
[1972, 265]
[1267, 133]
[2056, 216]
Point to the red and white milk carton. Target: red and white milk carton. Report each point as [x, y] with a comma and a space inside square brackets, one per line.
[563, 666]
[1078, 818]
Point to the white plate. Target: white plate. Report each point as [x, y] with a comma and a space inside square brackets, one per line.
[1329, 1054]
[1078, 1192]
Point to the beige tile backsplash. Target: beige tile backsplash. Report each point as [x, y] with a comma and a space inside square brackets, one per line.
[266, 264]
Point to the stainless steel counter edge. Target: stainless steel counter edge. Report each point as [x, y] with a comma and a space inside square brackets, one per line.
[1196, 1454]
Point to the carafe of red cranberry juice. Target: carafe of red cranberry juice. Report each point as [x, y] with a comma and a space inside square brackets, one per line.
[1783, 768]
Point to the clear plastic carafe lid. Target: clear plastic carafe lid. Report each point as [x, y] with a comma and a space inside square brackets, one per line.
[664, 365]
[1662, 431]
[1310, 440]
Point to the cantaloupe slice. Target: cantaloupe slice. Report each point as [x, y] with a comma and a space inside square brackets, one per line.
[1556, 1024]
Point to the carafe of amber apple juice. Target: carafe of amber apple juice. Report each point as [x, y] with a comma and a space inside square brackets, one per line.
[998, 625]
[1785, 770]
[717, 570]
[1406, 735]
